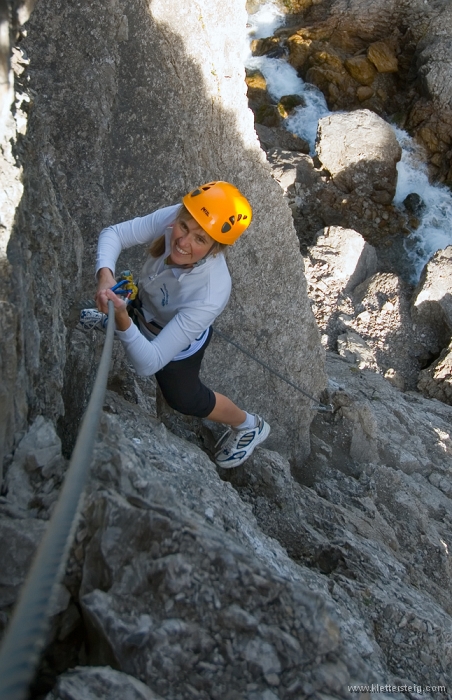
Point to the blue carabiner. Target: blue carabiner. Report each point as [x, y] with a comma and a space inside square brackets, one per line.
[119, 284]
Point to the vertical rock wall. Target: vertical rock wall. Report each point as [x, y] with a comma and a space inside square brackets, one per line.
[132, 104]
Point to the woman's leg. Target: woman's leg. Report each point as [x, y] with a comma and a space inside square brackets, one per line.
[184, 392]
[182, 388]
[225, 411]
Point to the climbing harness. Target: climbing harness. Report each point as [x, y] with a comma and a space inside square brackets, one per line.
[321, 407]
[26, 633]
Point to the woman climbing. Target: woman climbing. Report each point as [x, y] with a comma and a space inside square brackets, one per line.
[184, 285]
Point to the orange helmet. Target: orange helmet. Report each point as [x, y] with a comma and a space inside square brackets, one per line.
[220, 209]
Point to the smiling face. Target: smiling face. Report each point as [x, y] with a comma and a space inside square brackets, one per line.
[189, 243]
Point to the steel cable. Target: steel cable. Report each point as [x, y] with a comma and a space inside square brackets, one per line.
[26, 634]
[325, 408]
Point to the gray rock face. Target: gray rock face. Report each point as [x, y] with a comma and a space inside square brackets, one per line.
[110, 113]
[19, 539]
[200, 597]
[186, 580]
[434, 61]
[360, 151]
[92, 683]
[255, 585]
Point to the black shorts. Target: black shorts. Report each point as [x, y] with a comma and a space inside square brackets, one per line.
[182, 388]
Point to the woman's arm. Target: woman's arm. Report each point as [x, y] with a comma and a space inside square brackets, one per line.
[148, 356]
[118, 237]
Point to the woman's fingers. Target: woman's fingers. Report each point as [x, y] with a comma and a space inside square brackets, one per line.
[106, 280]
[118, 303]
[102, 301]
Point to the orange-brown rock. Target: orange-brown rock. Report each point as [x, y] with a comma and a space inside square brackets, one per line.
[327, 67]
[364, 92]
[433, 129]
[383, 57]
[320, 32]
[297, 6]
[259, 47]
[328, 58]
[346, 42]
[257, 88]
[288, 103]
[361, 69]
[268, 115]
[429, 138]
[299, 51]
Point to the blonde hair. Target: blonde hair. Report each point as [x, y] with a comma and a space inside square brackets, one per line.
[157, 247]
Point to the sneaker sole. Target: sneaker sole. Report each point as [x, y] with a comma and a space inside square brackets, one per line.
[237, 462]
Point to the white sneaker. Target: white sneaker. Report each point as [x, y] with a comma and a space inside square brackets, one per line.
[91, 319]
[240, 444]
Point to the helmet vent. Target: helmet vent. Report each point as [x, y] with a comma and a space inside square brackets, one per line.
[226, 227]
[232, 219]
[239, 216]
[195, 193]
[245, 217]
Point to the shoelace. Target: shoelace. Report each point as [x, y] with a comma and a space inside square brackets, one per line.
[225, 434]
[92, 323]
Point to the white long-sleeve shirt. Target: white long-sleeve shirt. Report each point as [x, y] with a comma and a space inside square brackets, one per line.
[184, 302]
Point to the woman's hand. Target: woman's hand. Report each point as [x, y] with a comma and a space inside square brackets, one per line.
[122, 318]
[105, 280]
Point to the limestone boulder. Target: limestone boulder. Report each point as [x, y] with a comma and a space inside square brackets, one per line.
[263, 47]
[341, 259]
[360, 151]
[432, 310]
[299, 51]
[36, 469]
[432, 299]
[285, 166]
[365, 314]
[436, 380]
[271, 137]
